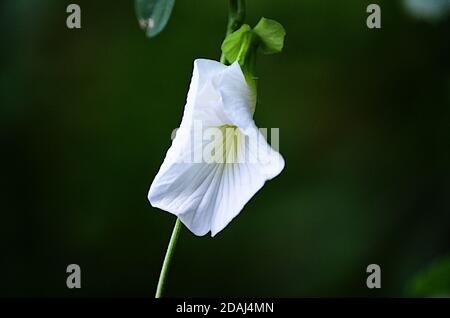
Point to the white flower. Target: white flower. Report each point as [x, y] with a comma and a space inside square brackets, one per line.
[207, 194]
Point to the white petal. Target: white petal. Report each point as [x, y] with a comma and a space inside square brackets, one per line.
[240, 181]
[237, 97]
[207, 196]
[203, 104]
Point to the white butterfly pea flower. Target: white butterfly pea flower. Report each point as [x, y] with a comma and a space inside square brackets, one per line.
[206, 189]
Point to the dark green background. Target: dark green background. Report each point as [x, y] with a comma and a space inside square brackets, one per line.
[86, 118]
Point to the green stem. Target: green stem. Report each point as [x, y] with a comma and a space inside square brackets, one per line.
[168, 258]
[236, 17]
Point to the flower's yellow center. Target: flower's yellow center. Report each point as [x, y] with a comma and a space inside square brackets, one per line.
[227, 144]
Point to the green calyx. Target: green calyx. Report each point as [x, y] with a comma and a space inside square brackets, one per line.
[241, 45]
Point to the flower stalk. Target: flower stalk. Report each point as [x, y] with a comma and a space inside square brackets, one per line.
[236, 17]
[168, 258]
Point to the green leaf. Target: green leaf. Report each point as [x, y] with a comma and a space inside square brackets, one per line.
[231, 46]
[271, 34]
[153, 15]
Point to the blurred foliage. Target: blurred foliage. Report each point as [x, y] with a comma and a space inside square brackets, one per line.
[429, 10]
[86, 118]
[153, 15]
[434, 281]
